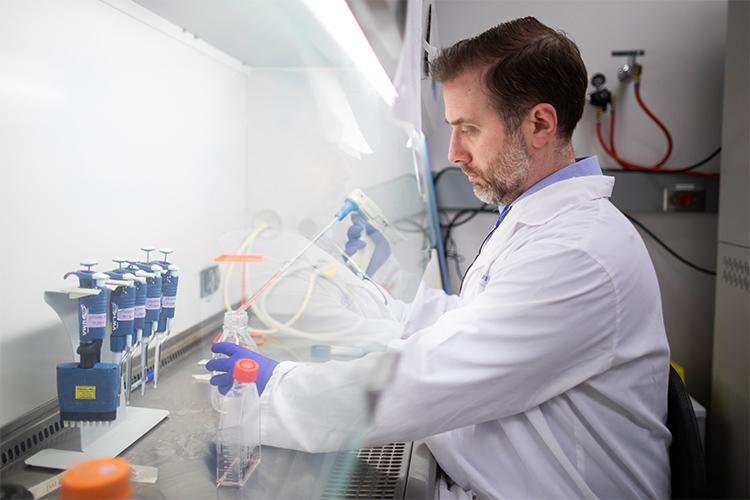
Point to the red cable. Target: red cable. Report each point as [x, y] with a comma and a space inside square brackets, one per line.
[630, 166]
[635, 166]
[658, 122]
[612, 133]
[601, 139]
[611, 150]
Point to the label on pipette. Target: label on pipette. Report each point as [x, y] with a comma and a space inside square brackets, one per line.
[127, 314]
[168, 302]
[96, 320]
[153, 303]
[85, 392]
[140, 311]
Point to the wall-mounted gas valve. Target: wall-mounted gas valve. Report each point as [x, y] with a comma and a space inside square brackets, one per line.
[631, 70]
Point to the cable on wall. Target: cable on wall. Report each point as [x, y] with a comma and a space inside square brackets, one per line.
[668, 249]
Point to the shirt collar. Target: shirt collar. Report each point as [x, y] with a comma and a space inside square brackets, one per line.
[582, 167]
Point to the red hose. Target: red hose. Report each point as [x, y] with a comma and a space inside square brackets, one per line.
[611, 149]
[632, 166]
[601, 140]
[636, 166]
[658, 122]
[612, 134]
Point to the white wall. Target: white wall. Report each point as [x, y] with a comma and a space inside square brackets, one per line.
[682, 84]
[113, 135]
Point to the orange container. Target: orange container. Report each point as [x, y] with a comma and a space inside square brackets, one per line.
[97, 479]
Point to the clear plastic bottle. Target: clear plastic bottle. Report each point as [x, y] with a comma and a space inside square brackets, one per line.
[233, 330]
[238, 439]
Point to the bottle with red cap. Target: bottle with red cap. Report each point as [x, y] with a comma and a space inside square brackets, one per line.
[238, 440]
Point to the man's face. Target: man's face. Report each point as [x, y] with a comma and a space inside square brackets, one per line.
[495, 161]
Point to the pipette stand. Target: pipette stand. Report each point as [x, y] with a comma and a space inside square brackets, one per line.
[97, 439]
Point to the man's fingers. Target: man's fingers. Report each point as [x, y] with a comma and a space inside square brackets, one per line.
[353, 246]
[222, 379]
[227, 348]
[220, 365]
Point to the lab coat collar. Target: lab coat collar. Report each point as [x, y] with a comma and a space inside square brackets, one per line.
[582, 167]
[545, 204]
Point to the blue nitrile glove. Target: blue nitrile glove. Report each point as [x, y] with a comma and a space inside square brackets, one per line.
[354, 244]
[236, 352]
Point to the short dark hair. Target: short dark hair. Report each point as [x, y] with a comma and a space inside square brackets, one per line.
[526, 63]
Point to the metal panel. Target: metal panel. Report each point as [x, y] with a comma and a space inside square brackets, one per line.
[734, 223]
[370, 473]
[422, 479]
[729, 414]
[728, 435]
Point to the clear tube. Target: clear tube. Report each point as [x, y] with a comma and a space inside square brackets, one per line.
[238, 439]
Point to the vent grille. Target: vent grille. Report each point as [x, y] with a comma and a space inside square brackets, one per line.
[372, 473]
[25, 443]
[736, 272]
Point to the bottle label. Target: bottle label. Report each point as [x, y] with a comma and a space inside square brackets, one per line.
[168, 301]
[140, 311]
[153, 304]
[126, 314]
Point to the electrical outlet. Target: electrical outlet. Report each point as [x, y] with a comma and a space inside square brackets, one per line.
[210, 281]
[684, 198]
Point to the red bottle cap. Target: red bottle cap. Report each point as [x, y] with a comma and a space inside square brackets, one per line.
[246, 371]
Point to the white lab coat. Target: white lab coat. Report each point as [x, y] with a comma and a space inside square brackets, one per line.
[546, 378]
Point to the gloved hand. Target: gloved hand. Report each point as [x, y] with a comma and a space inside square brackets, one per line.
[236, 352]
[354, 244]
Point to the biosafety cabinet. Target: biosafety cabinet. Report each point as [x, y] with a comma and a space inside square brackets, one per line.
[231, 132]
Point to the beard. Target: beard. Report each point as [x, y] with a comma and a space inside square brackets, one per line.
[506, 174]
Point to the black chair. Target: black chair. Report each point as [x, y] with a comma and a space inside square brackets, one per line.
[686, 452]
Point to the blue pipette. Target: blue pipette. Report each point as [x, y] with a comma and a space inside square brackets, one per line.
[88, 390]
[153, 306]
[122, 317]
[170, 278]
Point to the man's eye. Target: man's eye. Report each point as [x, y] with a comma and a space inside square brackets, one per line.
[467, 130]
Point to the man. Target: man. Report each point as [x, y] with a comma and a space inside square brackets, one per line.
[547, 376]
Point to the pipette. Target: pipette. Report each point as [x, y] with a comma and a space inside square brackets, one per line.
[168, 301]
[273, 279]
[357, 200]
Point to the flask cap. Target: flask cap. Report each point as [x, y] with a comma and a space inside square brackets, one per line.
[246, 371]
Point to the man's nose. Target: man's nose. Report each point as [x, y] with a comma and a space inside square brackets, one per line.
[456, 152]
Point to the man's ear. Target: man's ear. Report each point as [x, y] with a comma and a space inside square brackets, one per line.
[540, 125]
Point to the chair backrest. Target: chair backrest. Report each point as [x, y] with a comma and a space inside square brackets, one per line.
[686, 452]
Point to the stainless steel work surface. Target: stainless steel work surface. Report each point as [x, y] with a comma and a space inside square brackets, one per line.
[182, 447]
